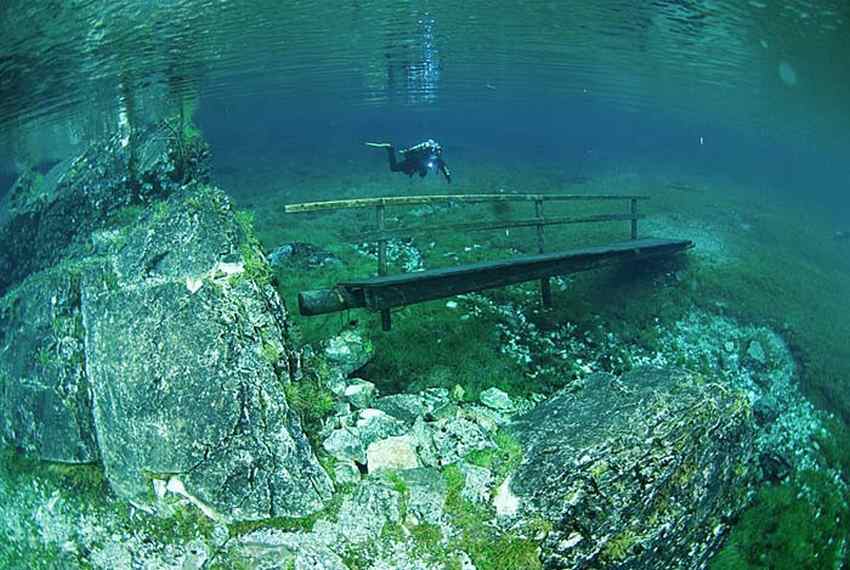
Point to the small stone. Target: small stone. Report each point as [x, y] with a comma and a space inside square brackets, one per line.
[458, 393]
[372, 425]
[346, 472]
[392, 453]
[344, 444]
[359, 393]
[496, 399]
[349, 351]
[505, 502]
[479, 481]
[729, 346]
[446, 411]
[451, 305]
[756, 352]
[405, 407]
[193, 284]
[571, 541]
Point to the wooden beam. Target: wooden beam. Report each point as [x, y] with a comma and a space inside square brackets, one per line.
[381, 293]
[481, 226]
[444, 199]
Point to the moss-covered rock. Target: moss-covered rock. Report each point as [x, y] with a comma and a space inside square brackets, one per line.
[183, 390]
[637, 472]
[47, 218]
[45, 395]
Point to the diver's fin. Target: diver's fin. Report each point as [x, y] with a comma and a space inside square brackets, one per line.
[379, 145]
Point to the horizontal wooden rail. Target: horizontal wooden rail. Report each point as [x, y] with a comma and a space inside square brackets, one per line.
[445, 199]
[480, 226]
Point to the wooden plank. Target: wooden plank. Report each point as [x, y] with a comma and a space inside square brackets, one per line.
[381, 293]
[481, 226]
[444, 199]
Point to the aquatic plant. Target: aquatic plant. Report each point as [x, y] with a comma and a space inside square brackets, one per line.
[803, 524]
[312, 401]
[487, 547]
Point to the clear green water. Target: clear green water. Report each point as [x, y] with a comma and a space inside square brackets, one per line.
[731, 115]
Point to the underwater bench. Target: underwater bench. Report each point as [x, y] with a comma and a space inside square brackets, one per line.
[384, 292]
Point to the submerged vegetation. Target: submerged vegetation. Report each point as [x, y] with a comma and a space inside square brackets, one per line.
[432, 344]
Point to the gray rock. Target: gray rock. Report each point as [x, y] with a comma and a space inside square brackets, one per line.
[478, 483]
[638, 472]
[345, 444]
[346, 472]
[496, 399]
[45, 219]
[186, 354]
[362, 515]
[405, 407]
[425, 447]
[273, 549]
[359, 393]
[372, 425]
[426, 494]
[302, 256]
[45, 394]
[392, 453]
[454, 439]
[348, 352]
[756, 352]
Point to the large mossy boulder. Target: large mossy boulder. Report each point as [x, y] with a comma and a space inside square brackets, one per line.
[164, 354]
[187, 351]
[47, 218]
[642, 471]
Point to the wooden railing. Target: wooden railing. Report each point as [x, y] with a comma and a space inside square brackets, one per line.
[382, 234]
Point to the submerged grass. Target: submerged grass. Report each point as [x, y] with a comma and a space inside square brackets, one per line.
[770, 264]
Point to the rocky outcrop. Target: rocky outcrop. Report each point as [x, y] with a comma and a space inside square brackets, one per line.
[45, 219]
[187, 356]
[642, 471]
[155, 343]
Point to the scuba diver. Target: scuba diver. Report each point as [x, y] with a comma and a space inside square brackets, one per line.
[417, 159]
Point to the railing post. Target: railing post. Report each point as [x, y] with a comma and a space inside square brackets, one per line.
[386, 323]
[545, 287]
[634, 213]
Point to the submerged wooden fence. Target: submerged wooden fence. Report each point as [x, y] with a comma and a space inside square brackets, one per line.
[469, 277]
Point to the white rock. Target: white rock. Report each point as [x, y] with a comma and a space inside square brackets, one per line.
[397, 452]
[175, 486]
[505, 502]
[193, 284]
[496, 399]
[359, 393]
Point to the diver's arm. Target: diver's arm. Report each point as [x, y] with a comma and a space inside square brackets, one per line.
[443, 167]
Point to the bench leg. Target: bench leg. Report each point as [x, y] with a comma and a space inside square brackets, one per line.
[546, 292]
[386, 323]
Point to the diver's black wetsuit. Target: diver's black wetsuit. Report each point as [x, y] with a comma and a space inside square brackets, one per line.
[417, 159]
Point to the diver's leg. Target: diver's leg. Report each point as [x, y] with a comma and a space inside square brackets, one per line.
[394, 166]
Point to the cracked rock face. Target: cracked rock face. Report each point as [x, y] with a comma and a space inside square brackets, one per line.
[644, 471]
[45, 398]
[188, 380]
[165, 358]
